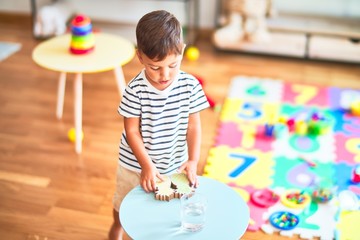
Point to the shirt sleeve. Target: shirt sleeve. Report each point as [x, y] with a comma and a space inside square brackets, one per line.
[130, 104]
[198, 100]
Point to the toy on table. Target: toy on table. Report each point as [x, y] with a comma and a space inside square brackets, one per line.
[264, 198]
[172, 187]
[355, 177]
[296, 199]
[82, 37]
[284, 220]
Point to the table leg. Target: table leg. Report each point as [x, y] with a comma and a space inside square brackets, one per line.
[120, 79]
[78, 112]
[61, 94]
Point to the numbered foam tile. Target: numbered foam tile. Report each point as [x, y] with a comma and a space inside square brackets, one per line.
[348, 148]
[343, 175]
[344, 123]
[347, 97]
[240, 166]
[305, 94]
[321, 148]
[256, 89]
[342, 97]
[228, 134]
[249, 112]
[320, 221]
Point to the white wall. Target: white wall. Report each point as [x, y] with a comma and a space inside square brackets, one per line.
[131, 10]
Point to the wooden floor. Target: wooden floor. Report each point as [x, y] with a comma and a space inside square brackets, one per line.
[47, 191]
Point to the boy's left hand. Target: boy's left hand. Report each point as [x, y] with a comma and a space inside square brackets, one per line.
[190, 168]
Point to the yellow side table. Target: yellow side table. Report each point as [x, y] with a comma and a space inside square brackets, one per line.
[110, 53]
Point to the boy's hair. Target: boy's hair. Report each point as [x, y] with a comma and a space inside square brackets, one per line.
[158, 35]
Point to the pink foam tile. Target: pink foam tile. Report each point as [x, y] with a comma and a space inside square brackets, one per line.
[262, 141]
[347, 148]
[228, 135]
[319, 98]
[352, 124]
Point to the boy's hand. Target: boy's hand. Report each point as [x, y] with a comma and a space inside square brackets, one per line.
[148, 179]
[190, 168]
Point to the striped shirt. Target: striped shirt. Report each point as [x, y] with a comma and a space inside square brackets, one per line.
[164, 117]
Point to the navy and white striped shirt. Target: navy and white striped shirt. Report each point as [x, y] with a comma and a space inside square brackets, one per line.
[164, 117]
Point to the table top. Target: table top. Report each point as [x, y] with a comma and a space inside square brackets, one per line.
[110, 51]
[144, 217]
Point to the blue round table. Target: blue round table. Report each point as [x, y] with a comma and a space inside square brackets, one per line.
[144, 217]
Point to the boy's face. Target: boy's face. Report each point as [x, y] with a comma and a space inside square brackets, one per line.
[161, 73]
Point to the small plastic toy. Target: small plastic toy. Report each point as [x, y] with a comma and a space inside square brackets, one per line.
[269, 130]
[82, 37]
[308, 161]
[296, 199]
[322, 195]
[355, 177]
[72, 135]
[284, 220]
[283, 119]
[291, 124]
[264, 198]
[355, 108]
[301, 127]
[192, 53]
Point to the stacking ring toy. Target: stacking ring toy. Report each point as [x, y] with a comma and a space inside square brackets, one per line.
[296, 199]
[284, 220]
[264, 198]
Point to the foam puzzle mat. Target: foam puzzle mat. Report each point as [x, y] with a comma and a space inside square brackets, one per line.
[269, 139]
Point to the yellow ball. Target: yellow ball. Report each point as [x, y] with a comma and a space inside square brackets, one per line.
[192, 53]
[355, 108]
[72, 135]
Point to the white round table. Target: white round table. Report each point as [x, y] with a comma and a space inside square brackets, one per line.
[144, 217]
